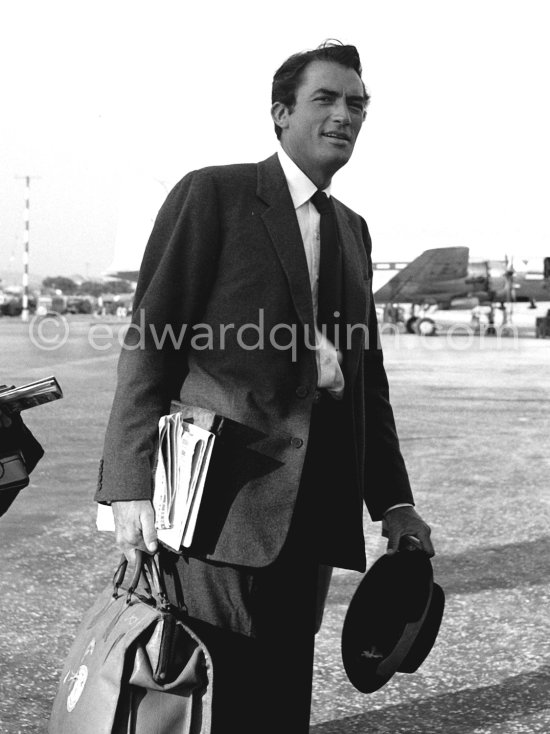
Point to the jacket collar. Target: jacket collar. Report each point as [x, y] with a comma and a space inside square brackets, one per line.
[282, 226]
[300, 186]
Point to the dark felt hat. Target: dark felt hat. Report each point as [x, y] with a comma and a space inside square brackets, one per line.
[392, 620]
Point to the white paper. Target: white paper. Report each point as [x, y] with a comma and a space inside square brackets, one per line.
[184, 454]
[180, 479]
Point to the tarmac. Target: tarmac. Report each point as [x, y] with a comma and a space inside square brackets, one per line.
[473, 415]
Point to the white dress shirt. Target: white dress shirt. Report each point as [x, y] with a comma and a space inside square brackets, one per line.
[329, 372]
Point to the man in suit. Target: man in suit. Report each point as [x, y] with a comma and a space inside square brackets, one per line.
[254, 301]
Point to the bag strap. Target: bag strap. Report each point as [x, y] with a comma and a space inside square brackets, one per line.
[151, 569]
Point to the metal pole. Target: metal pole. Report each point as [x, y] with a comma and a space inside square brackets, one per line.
[26, 240]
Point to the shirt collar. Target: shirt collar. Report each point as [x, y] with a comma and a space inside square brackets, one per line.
[300, 186]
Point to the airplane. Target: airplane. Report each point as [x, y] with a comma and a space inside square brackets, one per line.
[447, 278]
[444, 277]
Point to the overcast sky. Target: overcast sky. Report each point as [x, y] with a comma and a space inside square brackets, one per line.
[109, 103]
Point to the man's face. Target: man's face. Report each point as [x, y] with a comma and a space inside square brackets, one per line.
[320, 132]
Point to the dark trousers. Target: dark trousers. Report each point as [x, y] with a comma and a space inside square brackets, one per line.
[259, 624]
[259, 627]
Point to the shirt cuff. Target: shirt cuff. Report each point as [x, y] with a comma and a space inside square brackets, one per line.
[401, 504]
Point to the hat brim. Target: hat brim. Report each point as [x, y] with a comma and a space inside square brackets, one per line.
[427, 634]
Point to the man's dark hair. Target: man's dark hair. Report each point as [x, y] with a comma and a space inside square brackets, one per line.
[288, 76]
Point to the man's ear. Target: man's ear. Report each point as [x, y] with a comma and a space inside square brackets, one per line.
[280, 114]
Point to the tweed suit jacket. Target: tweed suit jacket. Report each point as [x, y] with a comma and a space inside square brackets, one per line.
[224, 280]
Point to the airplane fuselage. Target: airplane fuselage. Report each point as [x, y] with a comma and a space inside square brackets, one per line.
[441, 275]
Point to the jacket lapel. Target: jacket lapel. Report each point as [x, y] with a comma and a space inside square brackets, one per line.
[354, 292]
[282, 226]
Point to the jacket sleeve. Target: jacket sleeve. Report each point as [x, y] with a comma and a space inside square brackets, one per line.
[175, 279]
[386, 478]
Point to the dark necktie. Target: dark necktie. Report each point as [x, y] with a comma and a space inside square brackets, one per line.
[330, 268]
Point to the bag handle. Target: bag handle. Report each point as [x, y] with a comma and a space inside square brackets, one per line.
[146, 567]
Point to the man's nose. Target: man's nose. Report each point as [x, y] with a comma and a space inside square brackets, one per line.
[341, 113]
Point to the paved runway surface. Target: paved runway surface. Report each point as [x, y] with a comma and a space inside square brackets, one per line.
[474, 421]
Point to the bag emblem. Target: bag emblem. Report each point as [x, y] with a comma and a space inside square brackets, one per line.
[79, 681]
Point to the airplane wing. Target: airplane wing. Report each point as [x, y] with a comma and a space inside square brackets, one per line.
[436, 266]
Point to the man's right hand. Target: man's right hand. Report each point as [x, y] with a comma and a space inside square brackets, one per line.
[135, 527]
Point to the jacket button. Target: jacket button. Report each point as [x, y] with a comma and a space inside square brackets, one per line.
[302, 391]
[296, 443]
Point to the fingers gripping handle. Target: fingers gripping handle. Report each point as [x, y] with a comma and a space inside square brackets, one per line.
[147, 569]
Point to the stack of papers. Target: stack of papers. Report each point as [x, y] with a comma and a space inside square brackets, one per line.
[184, 451]
[180, 475]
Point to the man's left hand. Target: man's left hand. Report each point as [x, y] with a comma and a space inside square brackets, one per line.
[403, 521]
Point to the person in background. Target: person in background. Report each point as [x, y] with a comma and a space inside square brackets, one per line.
[5, 420]
[15, 437]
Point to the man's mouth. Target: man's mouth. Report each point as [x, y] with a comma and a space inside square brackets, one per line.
[337, 136]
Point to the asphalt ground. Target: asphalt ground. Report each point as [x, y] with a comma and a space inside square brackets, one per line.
[473, 415]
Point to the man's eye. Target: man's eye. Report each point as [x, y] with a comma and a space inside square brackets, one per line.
[324, 98]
